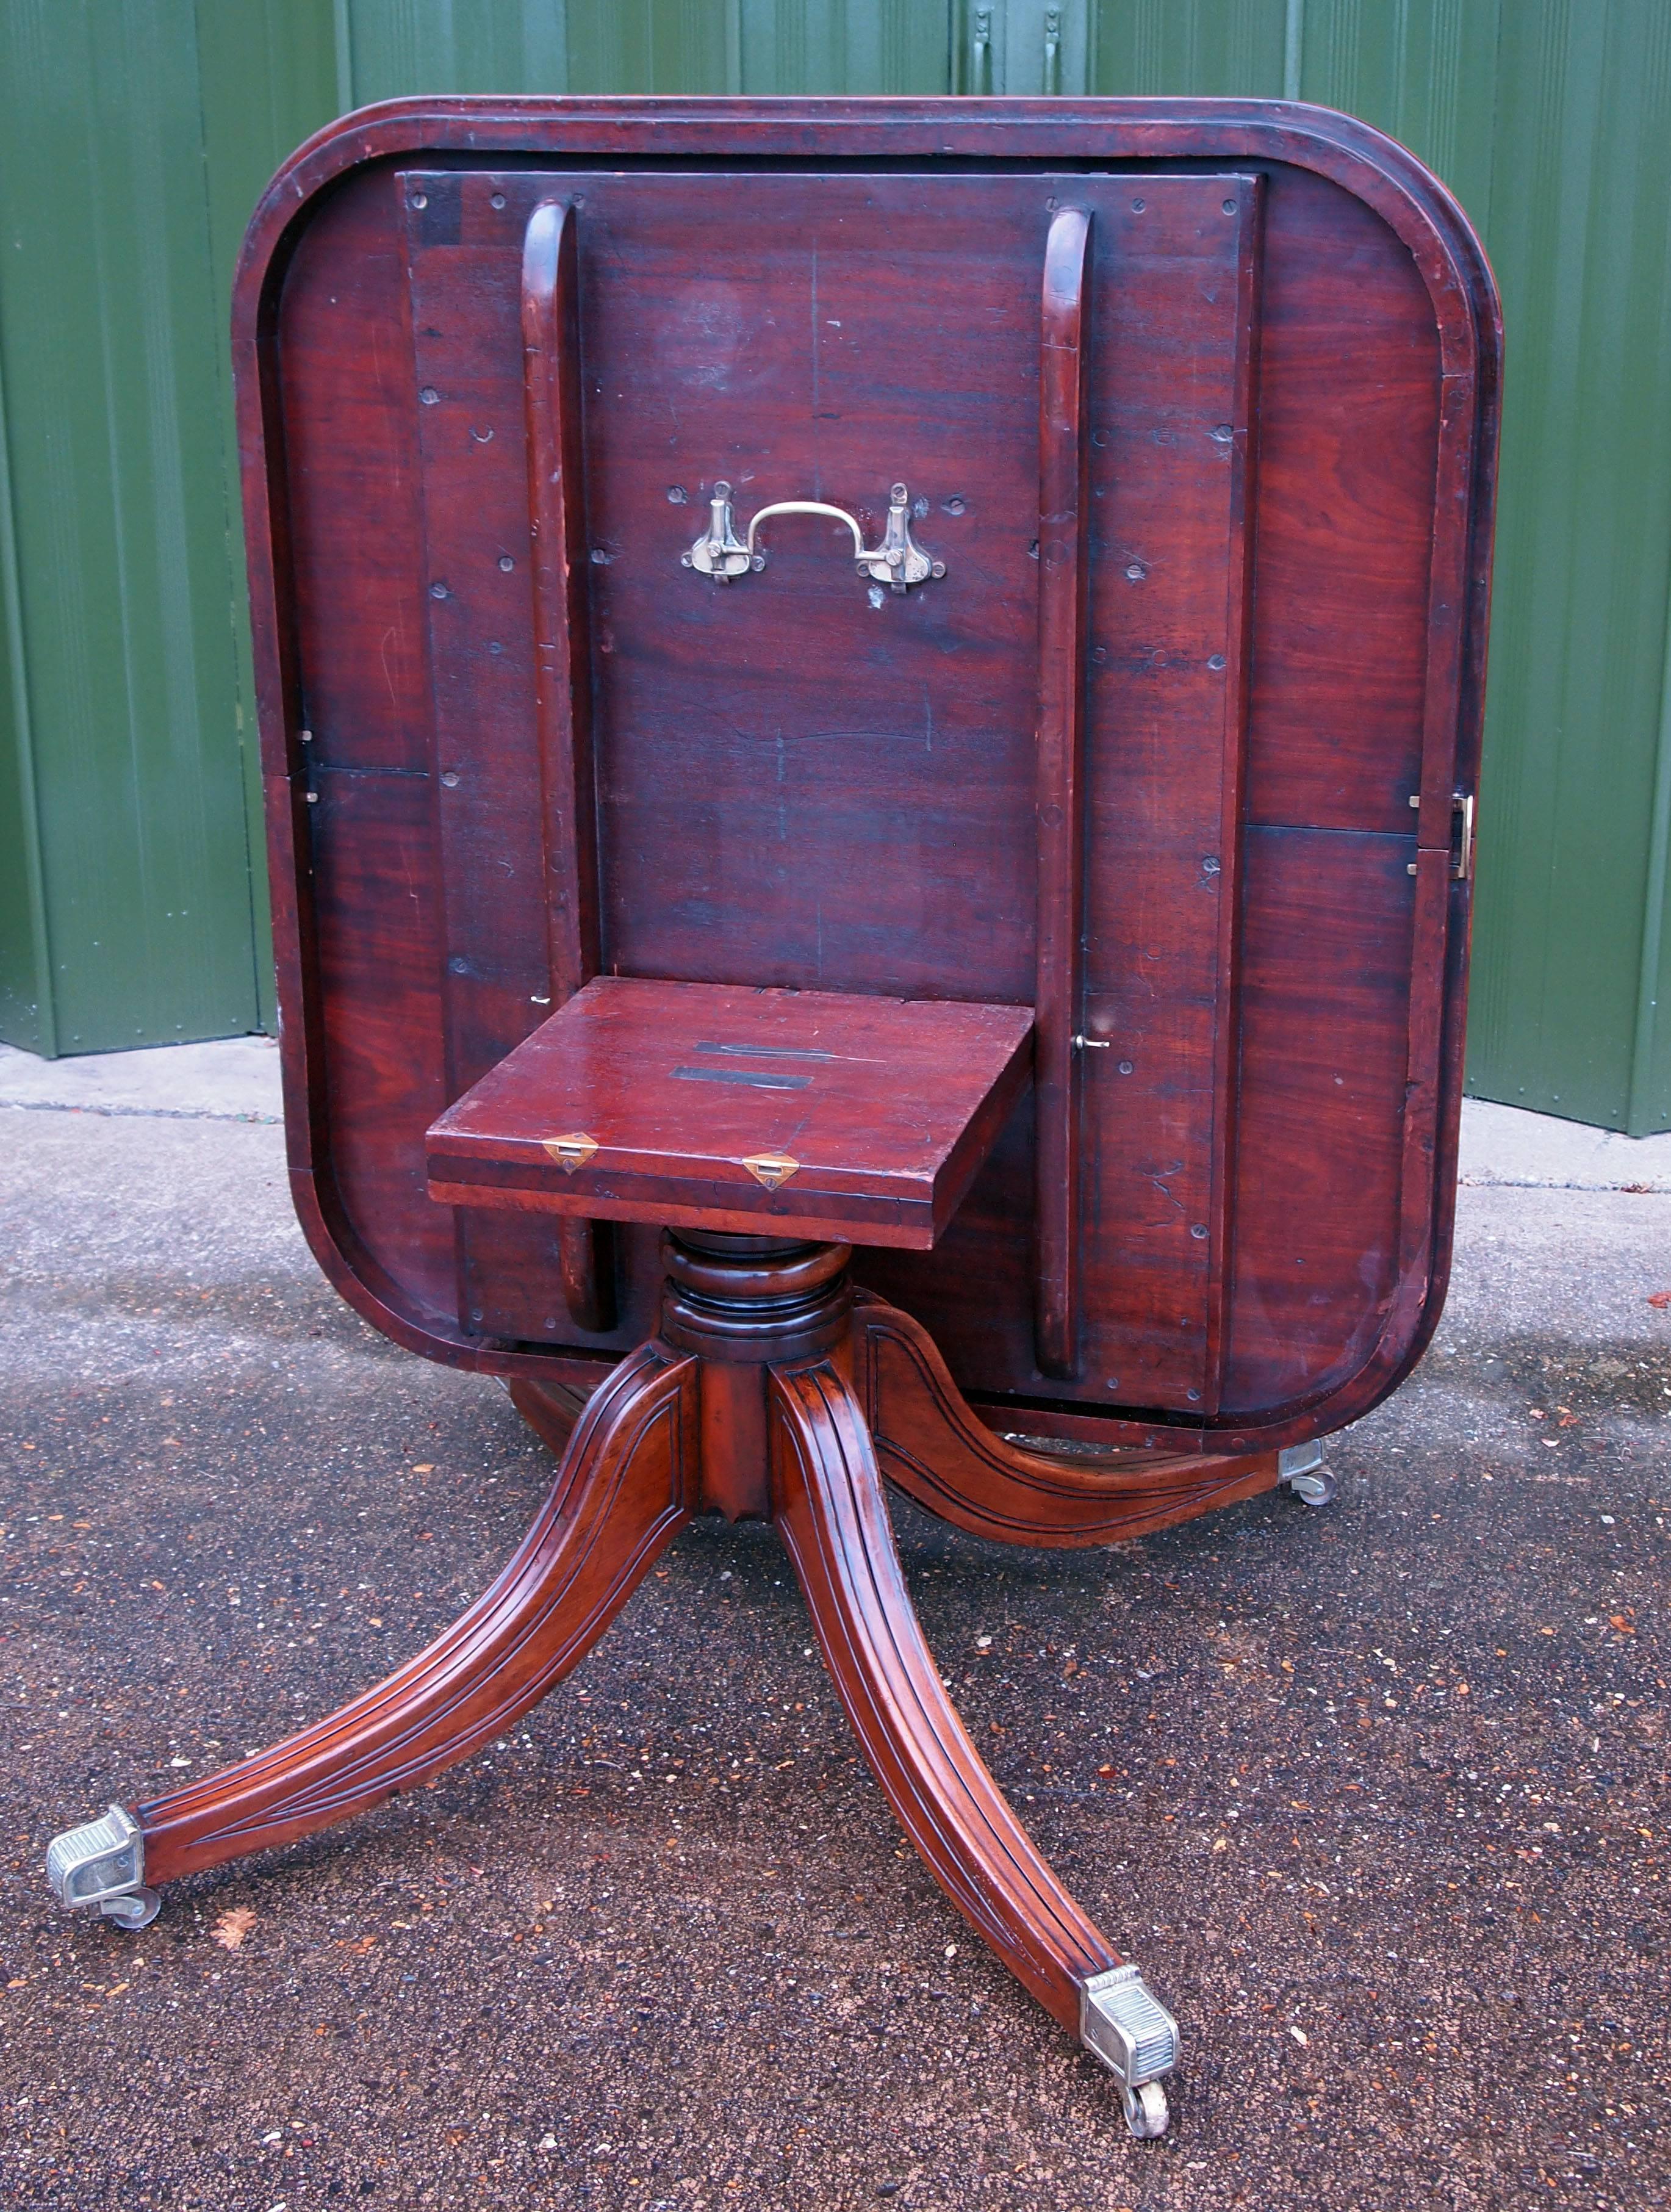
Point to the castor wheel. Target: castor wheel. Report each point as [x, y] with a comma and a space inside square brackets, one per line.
[1317, 1489]
[1147, 2114]
[1302, 1468]
[102, 1863]
[1123, 2023]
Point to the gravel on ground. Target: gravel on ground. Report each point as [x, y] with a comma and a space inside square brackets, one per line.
[1375, 1794]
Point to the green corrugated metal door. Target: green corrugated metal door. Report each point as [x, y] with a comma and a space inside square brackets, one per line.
[752, 47]
[129, 910]
[127, 906]
[1572, 988]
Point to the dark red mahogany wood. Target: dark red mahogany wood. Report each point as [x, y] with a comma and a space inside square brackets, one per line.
[1196, 407]
[562, 669]
[1248, 753]
[742, 1404]
[827, 1500]
[792, 1112]
[1058, 926]
[626, 1484]
[932, 1447]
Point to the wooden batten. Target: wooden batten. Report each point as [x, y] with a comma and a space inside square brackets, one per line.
[562, 657]
[563, 670]
[1249, 215]
[1064, 445]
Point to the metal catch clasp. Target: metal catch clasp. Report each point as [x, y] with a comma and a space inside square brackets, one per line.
[720, 552]
[898, 560]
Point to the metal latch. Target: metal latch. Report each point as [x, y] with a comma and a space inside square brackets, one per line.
[1462, 837]
[720, 552]
[898, 560]
[571, 1152]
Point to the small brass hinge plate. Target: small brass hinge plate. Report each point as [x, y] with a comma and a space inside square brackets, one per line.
[771, 1168]
[571, 1152]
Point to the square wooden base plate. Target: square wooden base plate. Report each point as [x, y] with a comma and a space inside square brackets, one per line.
[712, 1106]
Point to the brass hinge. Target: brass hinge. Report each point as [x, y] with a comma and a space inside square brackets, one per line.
[571, 1152]
[772, 1169]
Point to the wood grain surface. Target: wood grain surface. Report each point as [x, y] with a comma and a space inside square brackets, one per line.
[1291, 390]
[792, 1112]
[1059, 921]
[741, 1403]
[625, 1487]
[829, 1508]
[557, 563]
[930, 1444]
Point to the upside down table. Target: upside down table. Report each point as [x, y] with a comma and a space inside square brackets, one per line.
[870, 712]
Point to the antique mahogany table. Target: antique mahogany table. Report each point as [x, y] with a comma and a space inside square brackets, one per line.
[870, 711]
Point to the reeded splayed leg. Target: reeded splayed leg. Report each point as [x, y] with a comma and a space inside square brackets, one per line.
[930, 1444]
[623, 1488]
[828, 1502]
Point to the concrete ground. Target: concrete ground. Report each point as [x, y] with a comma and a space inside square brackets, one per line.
[1377, 1795]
